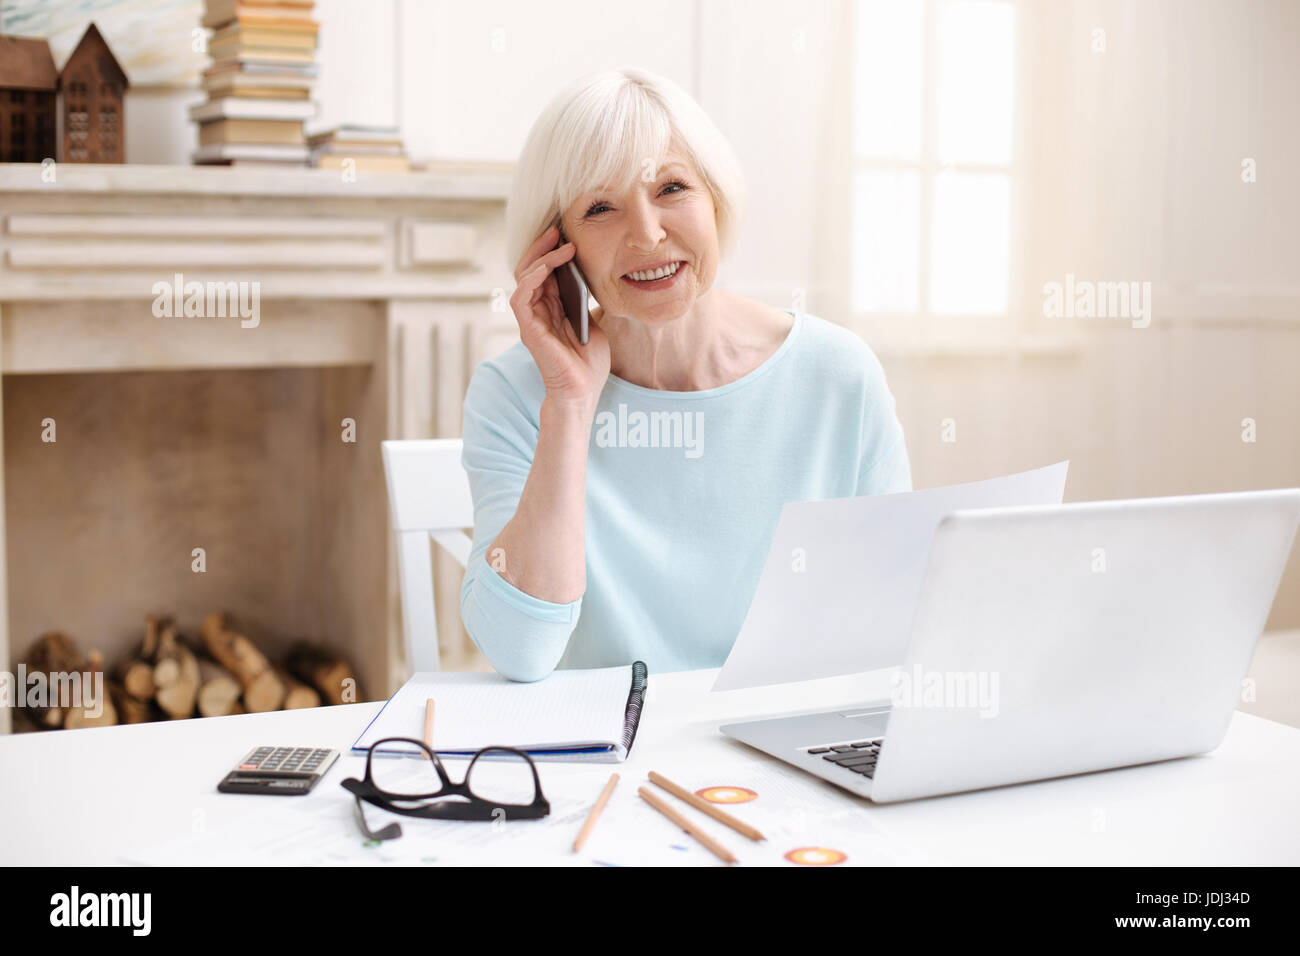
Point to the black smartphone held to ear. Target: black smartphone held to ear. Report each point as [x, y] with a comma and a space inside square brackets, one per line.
[574, 294]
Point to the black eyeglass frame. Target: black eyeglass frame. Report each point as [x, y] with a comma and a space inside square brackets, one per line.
[471, 807]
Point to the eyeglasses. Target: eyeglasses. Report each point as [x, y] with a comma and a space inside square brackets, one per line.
[505, 787]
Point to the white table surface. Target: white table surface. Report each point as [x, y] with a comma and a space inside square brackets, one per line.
[96, 796]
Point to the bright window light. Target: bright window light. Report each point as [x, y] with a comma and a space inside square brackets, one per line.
[889, 74]
[886, 240]
[934, 113]
[969, 259]
[976, 47]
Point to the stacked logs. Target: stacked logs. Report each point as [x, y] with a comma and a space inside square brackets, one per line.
[57, 654]
[171, 677]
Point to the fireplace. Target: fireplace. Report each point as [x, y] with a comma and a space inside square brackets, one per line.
[169, 463]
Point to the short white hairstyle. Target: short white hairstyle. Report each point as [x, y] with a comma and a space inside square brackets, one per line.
[599, 132]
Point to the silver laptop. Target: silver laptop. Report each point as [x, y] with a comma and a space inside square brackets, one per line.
[1062, 639]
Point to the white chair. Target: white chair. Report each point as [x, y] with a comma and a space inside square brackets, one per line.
[428, 495]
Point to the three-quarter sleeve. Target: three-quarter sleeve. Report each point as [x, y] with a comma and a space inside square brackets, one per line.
[891, 473]
[883, 466]
[522, 636]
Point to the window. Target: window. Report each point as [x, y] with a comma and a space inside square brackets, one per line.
[934, 164]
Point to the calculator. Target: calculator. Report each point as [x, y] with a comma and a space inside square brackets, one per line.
[282, 771]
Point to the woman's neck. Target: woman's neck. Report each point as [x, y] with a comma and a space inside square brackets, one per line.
[722, 338]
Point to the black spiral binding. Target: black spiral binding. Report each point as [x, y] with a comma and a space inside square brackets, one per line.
[635, 701]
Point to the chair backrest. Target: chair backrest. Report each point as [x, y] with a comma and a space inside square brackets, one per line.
[429, 497]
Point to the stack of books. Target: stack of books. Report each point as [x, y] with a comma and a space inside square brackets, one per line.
[259, 84]
[370, 148]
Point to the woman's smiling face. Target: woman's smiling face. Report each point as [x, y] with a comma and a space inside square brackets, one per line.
[664, 222]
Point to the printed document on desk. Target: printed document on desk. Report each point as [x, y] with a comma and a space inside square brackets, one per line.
[843, 576]
[793, 810]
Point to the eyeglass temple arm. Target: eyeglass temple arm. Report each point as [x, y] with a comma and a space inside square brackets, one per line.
[390, 832]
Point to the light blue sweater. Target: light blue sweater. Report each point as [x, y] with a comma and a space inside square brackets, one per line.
[683, 493]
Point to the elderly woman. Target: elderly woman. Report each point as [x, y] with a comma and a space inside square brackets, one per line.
[626, 490]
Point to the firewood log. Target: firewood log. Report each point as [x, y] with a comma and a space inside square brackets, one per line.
[327, 672]
[136, 677]
[55, 651]
[130, 709]
[167, 657]
[178, 697]
[218, 690]
[52, 653]
[263, 693]
[78, 717]
[262, 689]
[297, 694]
[94, 697]
[149, 647]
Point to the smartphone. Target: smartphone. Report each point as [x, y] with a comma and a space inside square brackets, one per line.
[574, 294]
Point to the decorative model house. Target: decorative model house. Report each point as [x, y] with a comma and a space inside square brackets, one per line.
[28, 86]
[94, 87]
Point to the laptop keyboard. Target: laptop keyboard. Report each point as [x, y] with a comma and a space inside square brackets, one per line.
[859, 756]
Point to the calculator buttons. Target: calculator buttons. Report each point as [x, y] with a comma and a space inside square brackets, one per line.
[313, 761]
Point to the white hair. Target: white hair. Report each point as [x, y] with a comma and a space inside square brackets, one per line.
[599, 132]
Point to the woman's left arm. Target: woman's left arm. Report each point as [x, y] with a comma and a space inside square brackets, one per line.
[883, 467]
[889, 474]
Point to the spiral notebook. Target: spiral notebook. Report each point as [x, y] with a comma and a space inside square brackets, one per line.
[587, 715]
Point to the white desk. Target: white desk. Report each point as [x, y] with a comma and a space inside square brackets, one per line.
[96, 796]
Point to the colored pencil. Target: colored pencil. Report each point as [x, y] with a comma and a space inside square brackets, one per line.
[699, 803]
[594, 815]
[428, 723]
[710, 844]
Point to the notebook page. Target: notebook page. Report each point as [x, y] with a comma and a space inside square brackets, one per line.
[471, 710]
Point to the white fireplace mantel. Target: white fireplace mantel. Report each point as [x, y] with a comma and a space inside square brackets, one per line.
[422, 252]
[97, 231]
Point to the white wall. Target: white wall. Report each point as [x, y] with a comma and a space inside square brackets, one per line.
[476, 74]
[465, 81]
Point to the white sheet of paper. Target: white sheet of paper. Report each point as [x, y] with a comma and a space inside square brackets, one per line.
[792, 809]
[842, 578]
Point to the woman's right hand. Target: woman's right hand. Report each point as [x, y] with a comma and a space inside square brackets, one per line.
[573, 373]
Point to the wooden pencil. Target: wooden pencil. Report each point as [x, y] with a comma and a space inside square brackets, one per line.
[699, 803]
[428, 723]
[710, 844]
[594, 815]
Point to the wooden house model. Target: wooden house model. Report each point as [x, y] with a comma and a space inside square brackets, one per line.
[93, 86]
[29, 84]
